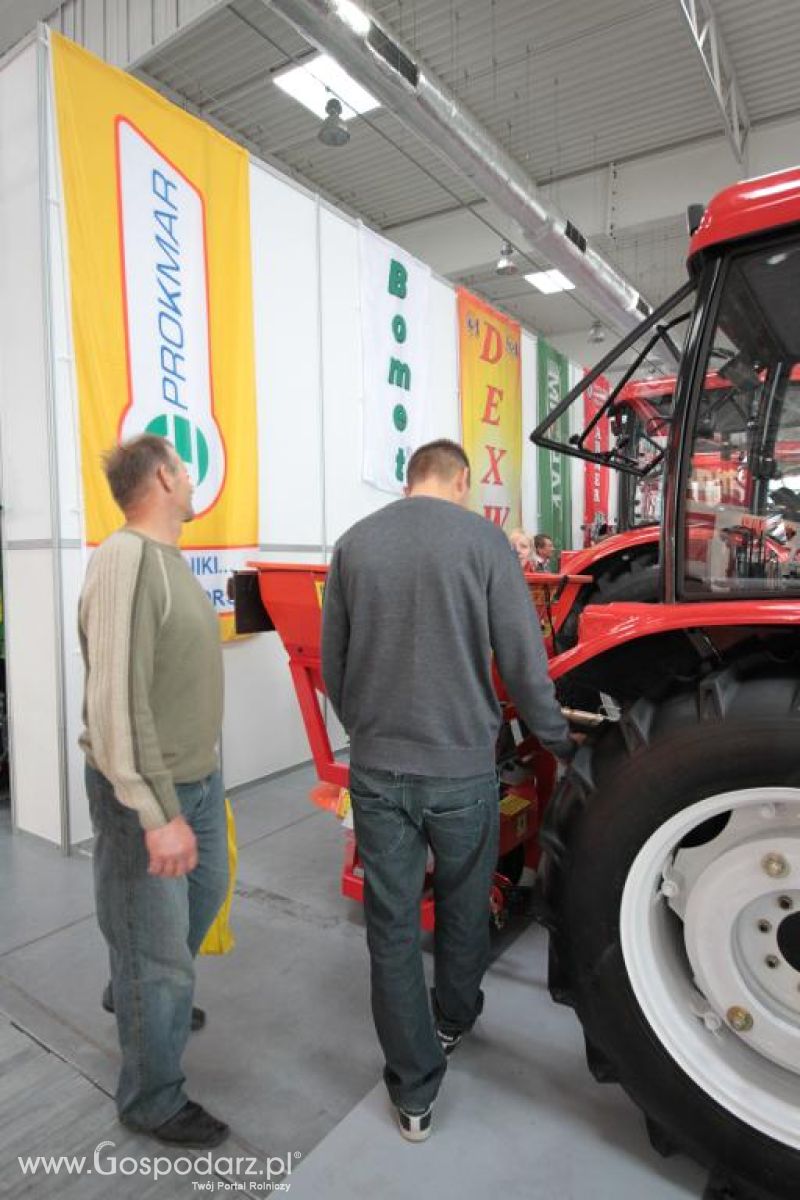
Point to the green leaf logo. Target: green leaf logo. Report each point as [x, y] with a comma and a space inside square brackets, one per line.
[188, 439]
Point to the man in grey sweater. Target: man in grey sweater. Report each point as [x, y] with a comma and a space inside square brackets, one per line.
[418, 598]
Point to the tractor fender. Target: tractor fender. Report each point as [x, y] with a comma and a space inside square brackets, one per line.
[604, 628]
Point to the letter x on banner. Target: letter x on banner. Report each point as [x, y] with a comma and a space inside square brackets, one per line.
[158, 231]
[491, 408]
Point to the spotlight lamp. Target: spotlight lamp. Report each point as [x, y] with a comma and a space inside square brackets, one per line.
[333, 131]
[597, 333]
[505, 263]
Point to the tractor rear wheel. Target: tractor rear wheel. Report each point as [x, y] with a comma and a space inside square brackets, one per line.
[672, 887]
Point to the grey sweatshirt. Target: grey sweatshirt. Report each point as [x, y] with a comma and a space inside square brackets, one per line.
[418, 597]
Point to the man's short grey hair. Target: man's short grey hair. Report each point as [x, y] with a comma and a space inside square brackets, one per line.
[130, 466]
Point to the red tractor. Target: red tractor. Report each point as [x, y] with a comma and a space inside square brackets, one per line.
[670, 878]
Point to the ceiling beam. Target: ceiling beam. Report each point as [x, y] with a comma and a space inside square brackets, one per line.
[718, 70]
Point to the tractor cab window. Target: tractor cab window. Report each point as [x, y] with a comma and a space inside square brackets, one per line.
[640, 424]
[742, 498]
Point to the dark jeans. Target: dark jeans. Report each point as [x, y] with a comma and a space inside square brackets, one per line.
[154, 927]
[396, 818]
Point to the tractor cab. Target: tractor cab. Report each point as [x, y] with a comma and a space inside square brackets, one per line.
[712, 454]
[736, 503]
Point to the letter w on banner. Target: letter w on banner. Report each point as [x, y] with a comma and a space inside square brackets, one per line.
[158, 226]
[491, 408]
[396, 347]
[596, 478]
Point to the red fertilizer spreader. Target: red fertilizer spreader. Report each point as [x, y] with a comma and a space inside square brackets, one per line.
[288, 598]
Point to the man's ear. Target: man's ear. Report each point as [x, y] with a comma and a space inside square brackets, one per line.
[165, 477]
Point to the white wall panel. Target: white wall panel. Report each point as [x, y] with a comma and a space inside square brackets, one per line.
[443, 367]
[31, 656]
[23, 407]
[263, 731]
[285, 293]
[73, 569]
[32, 650]
[347, 497]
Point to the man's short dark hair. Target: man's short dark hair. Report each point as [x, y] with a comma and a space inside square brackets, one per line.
[442, 459]
[130, 465]
[540, 540]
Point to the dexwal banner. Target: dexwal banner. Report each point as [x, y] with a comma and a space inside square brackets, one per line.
[596, 478]
[395, 293]
[158, 227]
[555, 476]
[490, 383]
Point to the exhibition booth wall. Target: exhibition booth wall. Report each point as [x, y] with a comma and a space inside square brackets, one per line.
[309, 398]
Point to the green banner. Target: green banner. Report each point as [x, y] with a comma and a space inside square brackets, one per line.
[555, 476]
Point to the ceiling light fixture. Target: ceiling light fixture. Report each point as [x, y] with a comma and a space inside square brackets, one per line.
[505, 263]
[550, 282]
[313, 83]
[597, 333]
[333, 131]
[353, 16]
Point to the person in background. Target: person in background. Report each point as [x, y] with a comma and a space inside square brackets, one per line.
[418, 597]
[153, 716]
[543, 550]
[523, 547]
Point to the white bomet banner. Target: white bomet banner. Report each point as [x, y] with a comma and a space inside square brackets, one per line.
[395, 292]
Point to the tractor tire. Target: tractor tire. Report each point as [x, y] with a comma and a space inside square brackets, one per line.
[632, 578]
[672, 893]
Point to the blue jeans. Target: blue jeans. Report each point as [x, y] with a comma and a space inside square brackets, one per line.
[396, 819]
[154, 927]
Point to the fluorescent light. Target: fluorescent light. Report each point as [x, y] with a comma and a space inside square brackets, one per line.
[352, 15]
[314, 82]
[550, 282]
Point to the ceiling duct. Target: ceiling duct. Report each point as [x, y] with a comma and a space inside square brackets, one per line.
[430, 110]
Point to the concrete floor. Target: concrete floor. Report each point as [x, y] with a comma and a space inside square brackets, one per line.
[289, 1056]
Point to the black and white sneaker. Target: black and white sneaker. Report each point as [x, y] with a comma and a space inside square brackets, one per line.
[414, 1126]
[448, 1041]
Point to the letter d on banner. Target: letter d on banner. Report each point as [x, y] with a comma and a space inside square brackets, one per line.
[165, 284]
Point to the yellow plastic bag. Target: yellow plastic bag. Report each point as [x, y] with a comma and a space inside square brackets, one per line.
[220, 939]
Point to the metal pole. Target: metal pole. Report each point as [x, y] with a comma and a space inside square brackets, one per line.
[45, 202]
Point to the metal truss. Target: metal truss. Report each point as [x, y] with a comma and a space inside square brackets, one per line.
[719, 72]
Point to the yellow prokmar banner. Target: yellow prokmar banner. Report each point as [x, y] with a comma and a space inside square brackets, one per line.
[491, 408]
[158, 230]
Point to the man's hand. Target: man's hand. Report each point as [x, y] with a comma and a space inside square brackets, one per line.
[172, 848]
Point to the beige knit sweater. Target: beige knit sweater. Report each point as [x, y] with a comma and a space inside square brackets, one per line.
[153, 696]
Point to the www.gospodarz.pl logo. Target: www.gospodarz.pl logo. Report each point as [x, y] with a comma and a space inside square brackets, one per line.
[206, 1172]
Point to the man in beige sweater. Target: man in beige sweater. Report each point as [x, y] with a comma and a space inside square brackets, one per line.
[153, 714]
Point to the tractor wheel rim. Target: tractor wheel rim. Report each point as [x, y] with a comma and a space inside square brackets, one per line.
[711, 942]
